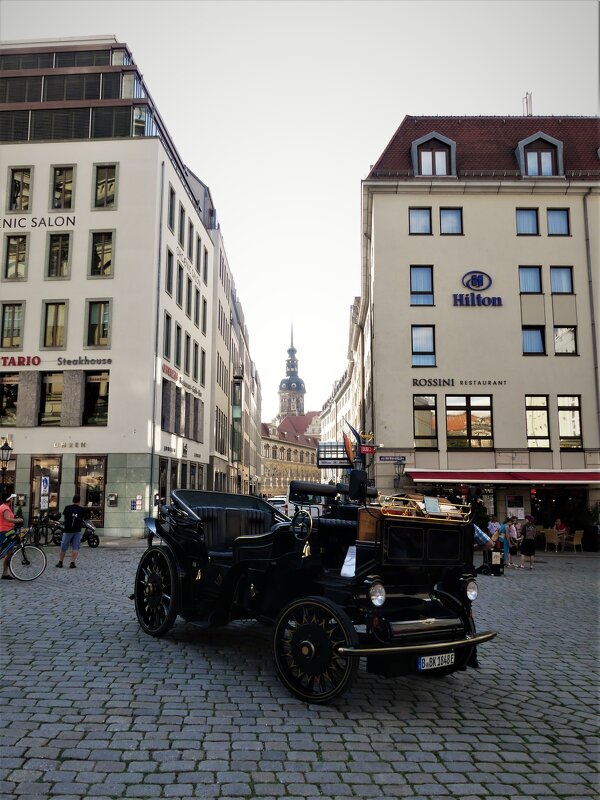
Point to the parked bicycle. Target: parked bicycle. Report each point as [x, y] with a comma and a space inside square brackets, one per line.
[45, 528]
[27, 561]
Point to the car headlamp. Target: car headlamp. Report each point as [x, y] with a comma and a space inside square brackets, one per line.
[472, 590]
[376, 593]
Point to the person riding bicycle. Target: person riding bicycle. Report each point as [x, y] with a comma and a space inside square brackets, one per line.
[74, 516]
[7, 526]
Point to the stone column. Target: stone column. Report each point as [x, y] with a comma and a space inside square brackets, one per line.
[28, 399]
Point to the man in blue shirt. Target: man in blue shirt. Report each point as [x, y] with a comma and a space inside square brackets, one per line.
[481, 539]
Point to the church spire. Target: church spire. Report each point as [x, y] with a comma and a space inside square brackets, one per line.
[291, 388]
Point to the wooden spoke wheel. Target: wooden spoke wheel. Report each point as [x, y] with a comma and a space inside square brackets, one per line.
[156, 591]
[306, 638]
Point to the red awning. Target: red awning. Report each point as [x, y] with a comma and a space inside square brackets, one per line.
[583, 476]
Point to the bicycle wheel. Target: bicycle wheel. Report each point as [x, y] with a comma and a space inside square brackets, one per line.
[27, 562]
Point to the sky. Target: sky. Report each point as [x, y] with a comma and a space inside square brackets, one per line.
[281, 107]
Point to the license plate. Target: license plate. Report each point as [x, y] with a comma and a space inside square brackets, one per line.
[435, 662]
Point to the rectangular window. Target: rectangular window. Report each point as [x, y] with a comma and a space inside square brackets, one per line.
[423, 345]
[177, 345]
[424, 422]
[111, 123]
[188, 298]
[190, 242]
[419, 221]
[181, 235]
[561, 280]
[101, 263]
[58, 255]
[169, 273]
[203, 367]
[565, 340]
[538, 429]
[186, 353]
[451, 223]
[195, 361]
[433, 162]
[569, 422]
[167, 337]
[198, 254]
[55, 317]
[15, 260]
[9, 393]
[469, 422]
[205, 267]
[527, 222]
[540, 162]
[171, 209]
[19, 193]
[533, 340]
[421, 286]
[95, 402]
[179, 296]
[51, 398]
[558, 222]
[530, 280]
[105, 186]
[197, 307]
[98, 326]
[12, 325]
[62, 188]
[204, 315]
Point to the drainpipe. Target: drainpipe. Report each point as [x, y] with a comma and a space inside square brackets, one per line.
[588, 258]
[156, 328]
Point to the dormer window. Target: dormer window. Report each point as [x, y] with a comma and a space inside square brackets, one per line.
[433, 155]
[433, 161]
[540, 156]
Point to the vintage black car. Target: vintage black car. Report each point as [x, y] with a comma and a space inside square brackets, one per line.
[391, 580]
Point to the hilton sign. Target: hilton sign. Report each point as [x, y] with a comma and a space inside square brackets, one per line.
[477, 282]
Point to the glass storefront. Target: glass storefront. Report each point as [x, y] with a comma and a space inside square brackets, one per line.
[90, 482]
[45, 485]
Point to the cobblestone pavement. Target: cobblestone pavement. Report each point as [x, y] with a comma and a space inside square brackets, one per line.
[94, 708]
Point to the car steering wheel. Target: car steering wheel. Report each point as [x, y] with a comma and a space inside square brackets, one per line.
[301, 525]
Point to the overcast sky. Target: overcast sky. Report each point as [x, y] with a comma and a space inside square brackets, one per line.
[281, 108]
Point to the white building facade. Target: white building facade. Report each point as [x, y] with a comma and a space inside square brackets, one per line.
[108, 292]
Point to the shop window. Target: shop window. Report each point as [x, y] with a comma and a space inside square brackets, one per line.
[469, 422]
[9, 393]
[95, 404]
[45, 485]
[51, 398]
[90, 482]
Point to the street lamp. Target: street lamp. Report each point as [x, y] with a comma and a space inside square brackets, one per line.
[399, 465]
[5, 452]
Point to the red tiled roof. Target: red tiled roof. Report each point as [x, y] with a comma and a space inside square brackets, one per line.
[487, 144]
[292, 430]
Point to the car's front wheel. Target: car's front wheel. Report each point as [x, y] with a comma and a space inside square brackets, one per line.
[156, 591]
[306, 638]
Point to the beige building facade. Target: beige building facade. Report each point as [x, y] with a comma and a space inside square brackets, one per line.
[479, 311]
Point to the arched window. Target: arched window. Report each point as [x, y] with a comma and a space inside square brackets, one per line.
[301, 457]
[289, 454]
[274, 452]
[267, 450]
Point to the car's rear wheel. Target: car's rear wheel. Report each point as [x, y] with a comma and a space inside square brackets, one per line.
[156, 591]
[306, 638]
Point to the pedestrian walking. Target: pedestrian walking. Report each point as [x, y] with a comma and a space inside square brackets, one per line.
[7, 525]
[528, 532]
[74, 516]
